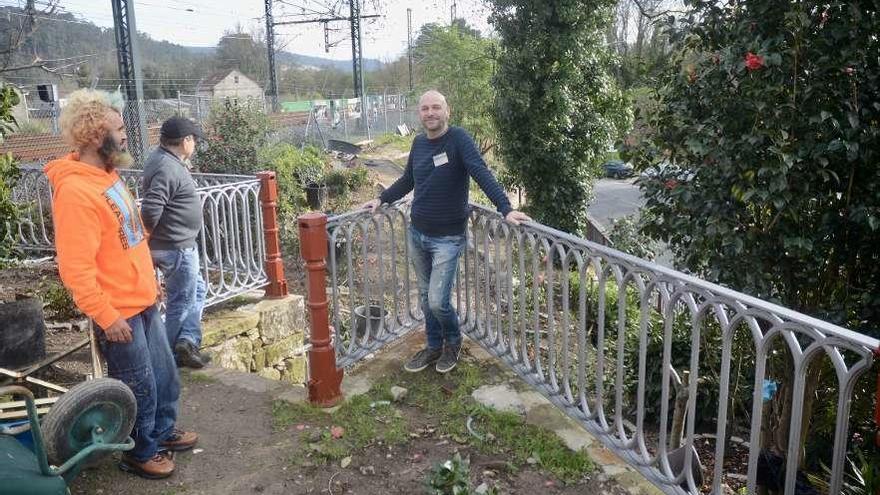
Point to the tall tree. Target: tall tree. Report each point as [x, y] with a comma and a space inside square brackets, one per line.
[557, 107]
[245, 52]
[458, 62]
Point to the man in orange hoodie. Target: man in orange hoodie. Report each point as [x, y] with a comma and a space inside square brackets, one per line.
[104, 261]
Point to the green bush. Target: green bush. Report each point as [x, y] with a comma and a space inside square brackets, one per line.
[294, 168]
[9, 174]
[235, 134]
[625, 235]
[767, 119]
[710, 356]
[59, 302]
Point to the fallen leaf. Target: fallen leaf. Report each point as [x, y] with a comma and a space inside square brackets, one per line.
[345, 462]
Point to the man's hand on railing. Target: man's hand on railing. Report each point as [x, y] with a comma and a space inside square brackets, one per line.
[516, 217]
[371, 204]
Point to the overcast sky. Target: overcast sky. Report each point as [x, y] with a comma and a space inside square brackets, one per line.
[202, 22]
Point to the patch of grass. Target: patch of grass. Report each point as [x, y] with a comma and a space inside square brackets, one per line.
[196, 378]
[285, 414]
[394, 140]
[448, 399]
[366, 419]
[524, 441]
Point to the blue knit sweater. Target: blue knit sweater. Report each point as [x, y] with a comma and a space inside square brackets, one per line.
[439, 172]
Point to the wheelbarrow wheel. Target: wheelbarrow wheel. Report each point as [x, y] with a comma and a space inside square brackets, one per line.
[102, 408]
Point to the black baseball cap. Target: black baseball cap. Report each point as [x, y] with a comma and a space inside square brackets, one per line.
[180, 127]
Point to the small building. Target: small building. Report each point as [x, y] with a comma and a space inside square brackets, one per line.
[229, 83]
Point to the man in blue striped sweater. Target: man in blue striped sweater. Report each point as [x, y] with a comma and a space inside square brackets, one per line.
[441, 163]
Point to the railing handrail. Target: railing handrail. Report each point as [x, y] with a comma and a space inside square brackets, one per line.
[232, 243]
[606, 358]
[829, 328]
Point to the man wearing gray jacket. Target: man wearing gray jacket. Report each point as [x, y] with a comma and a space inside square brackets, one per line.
[172, 213]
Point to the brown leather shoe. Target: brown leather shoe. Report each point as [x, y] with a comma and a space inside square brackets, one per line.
[180, 440]
[158, 467]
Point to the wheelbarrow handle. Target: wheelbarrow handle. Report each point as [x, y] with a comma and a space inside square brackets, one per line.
[74, 462]
[16, 390]
[34, 420]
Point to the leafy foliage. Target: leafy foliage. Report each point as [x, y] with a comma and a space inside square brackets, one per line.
[59, 303]
[458, 63]
[9, 173]
[294, 168]
[451, 477]
[770, 117]
[626, 236]
[557, 108]
[236, 131]
[765, 140]
[862, 475]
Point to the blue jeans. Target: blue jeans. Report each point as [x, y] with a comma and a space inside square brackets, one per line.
[184, 293]
[435, 260]
[147, 366]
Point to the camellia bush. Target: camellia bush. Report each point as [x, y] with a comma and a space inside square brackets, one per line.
[762, 153]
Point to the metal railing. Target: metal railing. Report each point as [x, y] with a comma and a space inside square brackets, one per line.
[605, 336]
[232, 247]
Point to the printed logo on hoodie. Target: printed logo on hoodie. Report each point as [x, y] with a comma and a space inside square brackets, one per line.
[131, 230]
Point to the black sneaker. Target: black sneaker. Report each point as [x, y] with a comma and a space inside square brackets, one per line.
[186, 355]
[422, 359]
[449, 358]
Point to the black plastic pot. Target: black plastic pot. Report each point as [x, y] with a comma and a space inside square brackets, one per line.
[368, 317]
[316, 195]
[22, 333]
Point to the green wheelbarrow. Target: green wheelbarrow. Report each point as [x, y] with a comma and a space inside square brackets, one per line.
[89, 421]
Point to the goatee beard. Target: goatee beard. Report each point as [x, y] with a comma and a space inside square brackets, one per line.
[113, 154]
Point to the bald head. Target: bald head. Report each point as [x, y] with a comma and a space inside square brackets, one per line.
[433, 96]
[434, 113]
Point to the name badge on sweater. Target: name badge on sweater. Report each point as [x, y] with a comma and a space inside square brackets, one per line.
[441, 159]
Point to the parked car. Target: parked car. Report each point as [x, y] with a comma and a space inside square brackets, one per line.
[617, 169]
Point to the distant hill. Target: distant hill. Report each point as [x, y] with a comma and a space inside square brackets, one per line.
[301, 60]
[168, 68]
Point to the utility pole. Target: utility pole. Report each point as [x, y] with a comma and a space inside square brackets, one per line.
[452, 13]
[357, 69]
[129, 62]
[270, 47]
[409, 45]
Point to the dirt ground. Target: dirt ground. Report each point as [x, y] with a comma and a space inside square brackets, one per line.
[242, 450]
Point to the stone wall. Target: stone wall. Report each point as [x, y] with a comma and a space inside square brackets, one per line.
[267, 338]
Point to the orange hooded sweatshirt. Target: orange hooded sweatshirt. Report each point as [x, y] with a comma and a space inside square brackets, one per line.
[102, 249]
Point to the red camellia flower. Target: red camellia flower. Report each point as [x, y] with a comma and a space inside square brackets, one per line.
[671, 184]
[754, 62]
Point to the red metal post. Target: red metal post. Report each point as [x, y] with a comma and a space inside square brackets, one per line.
[324, 377]
[277, 287]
